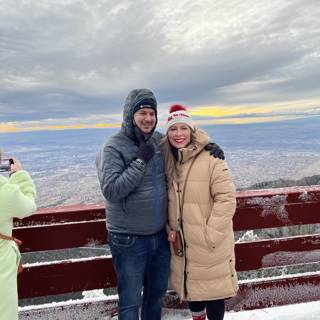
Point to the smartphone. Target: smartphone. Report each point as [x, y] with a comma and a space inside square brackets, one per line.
[5, 165]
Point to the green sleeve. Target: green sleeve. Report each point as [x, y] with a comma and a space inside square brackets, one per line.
[17, 196]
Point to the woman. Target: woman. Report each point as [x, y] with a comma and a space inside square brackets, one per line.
[17, 199]
[201, 206]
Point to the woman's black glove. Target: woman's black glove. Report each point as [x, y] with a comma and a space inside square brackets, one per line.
[214, 150]
[146, 151]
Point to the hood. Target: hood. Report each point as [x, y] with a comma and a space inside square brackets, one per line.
[135, 97]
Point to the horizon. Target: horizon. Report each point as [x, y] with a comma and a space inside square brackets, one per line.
[62, 163]
[199, 121]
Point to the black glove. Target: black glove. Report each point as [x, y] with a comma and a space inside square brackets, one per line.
[146, 151]
[214, 150]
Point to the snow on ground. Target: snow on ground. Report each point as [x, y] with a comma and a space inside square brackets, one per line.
[301, 311]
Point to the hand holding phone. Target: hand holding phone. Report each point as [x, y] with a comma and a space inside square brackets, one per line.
[15, 165]
[10, 165]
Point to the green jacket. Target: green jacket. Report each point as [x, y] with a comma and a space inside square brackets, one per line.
[17, 199]
[17, 195]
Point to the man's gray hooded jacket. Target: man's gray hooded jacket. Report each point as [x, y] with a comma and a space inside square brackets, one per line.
[136, 193]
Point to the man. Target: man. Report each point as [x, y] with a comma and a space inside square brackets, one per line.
[132, 179]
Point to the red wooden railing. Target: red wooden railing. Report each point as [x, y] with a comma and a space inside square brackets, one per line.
[83, 225]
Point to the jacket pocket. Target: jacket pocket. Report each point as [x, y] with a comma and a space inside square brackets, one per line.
[209, 243]
[233, 274]
[17, 253]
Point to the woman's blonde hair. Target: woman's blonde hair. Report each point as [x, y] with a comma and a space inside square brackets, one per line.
[168, 156]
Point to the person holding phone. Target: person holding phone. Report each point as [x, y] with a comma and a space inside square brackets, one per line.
[17, 200]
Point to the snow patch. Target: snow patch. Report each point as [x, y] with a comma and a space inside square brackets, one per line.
[305, 196]
[248, 236]
[36, 264]
[301, 311]
[274, 205]
[92, 294]
[290, 257]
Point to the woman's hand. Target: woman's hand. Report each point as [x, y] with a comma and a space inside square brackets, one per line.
[16, 165]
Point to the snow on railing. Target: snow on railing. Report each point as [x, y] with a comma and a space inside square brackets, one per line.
[69, 227]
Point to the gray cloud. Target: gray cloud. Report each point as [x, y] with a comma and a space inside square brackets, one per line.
[76, 58]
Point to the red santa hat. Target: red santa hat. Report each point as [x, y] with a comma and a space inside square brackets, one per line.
[179, 114]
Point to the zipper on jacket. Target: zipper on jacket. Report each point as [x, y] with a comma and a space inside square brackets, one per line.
[185, 250]
[185, 266]
[181, 156]
[157, 221]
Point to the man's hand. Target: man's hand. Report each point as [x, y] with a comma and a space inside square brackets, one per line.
[214, 150]
[146, 151]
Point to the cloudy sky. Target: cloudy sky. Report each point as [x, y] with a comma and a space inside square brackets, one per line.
[71, 63]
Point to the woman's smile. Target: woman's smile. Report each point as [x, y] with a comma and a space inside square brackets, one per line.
[179, 135]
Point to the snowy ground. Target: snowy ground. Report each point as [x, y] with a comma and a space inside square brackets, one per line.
[302, 311]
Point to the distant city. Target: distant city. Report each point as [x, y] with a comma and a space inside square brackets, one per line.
[263, 155]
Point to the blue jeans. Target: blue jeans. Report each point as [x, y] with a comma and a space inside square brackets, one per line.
[142, 263]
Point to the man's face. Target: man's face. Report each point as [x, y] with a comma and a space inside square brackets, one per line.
[145, 119]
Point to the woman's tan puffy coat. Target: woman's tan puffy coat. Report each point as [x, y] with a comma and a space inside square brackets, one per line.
[207, 272]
